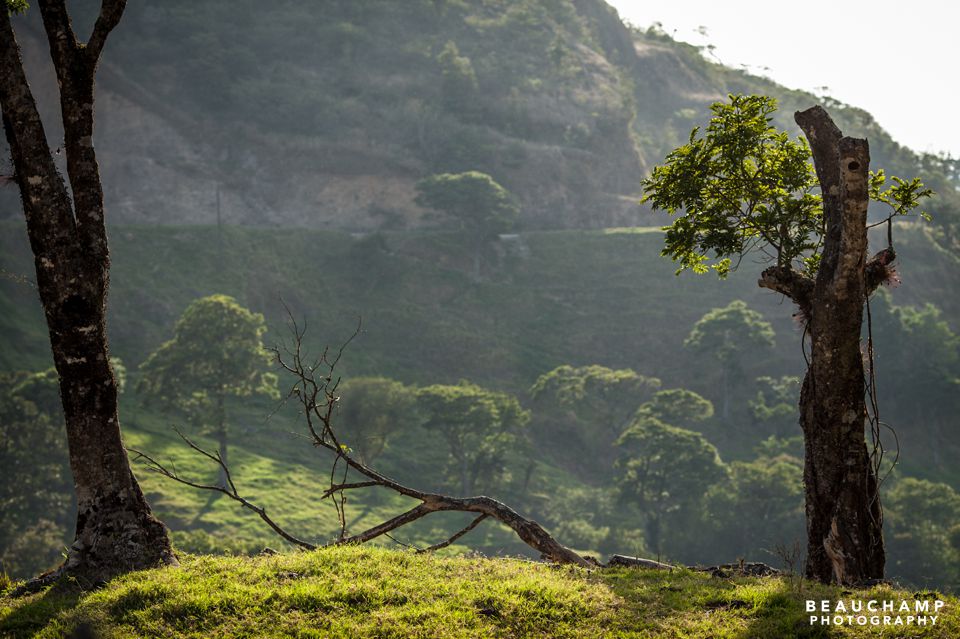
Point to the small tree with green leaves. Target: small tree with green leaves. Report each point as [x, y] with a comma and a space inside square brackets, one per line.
[743, 187]
[678, 406]
[483, 207]
[481, 427]
[759, 508]
[923, 532]
[581, 410]
[371, 409]
[596, 394]
[727, 334]
[217, 352]
[774, 407]
[664, 470]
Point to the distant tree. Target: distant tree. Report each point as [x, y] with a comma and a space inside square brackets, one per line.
[580, 412]
[774, 407]
[664, 469]
[459, 79]
[483, 207]
[116, 530]
[481, 428]
[217, 352]
[920, 346]
[741, 186]
[37, 499]
[758, 509]
[602, 396]
[679, 407]
[727, 334]
[922, 517]
[370, 410]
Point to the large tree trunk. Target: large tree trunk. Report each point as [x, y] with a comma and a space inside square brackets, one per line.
[844, 537]
[116, 531]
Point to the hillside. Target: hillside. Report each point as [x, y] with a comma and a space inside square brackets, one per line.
[546, 299]
[324, 115]
[357, 592]
[271, 152]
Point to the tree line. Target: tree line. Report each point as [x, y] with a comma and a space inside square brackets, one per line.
[645, 475]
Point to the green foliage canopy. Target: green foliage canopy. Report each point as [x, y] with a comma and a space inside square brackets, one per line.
[596, 393]
[744, 186]
[730, 331]
[476, 199]
[217, 350]
[664, 469]
[678, 406]
[922, 519]
[760, 506]
[370, 410]
[765, 196]
[17, 6]
[481, 427]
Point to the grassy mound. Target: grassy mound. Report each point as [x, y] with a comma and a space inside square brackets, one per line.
[371, 592]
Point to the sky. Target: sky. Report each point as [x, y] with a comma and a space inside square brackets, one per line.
[898, 60]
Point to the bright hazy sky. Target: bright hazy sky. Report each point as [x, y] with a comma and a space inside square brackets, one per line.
[899, 60]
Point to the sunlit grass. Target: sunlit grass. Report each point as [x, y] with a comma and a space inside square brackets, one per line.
[374, 592]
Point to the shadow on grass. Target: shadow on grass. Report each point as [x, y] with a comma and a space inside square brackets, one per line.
[33, 613]
[782, 613]
[661, 603]
[207, 507]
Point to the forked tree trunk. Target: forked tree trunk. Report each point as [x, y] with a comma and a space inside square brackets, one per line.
[844, 536]
[116, 531]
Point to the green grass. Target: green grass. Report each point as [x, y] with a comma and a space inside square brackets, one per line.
[370, 592]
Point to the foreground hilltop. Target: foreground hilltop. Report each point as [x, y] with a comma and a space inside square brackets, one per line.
[370, 592]
[326, 114]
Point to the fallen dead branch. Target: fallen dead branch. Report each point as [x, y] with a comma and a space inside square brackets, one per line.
[314, 390]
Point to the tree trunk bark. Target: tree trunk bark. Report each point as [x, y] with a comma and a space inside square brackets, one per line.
[844, 537]
[116, 531]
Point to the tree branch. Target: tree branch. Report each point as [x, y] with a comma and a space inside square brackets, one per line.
[35, 171]
[315, 389]
[443, 544]
[789, 282]
[110, 13]
[230, 490]
[63, 41]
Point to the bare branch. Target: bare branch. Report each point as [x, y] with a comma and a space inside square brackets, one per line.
[230, 490]
[413, 514]
[341, 487]
[314, 388]
[473, 524]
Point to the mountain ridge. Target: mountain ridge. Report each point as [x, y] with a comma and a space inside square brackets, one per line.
[327, 117]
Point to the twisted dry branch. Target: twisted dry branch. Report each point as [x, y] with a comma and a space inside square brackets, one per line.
[314, 389]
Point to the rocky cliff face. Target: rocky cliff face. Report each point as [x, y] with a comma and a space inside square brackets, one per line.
[325, 114]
